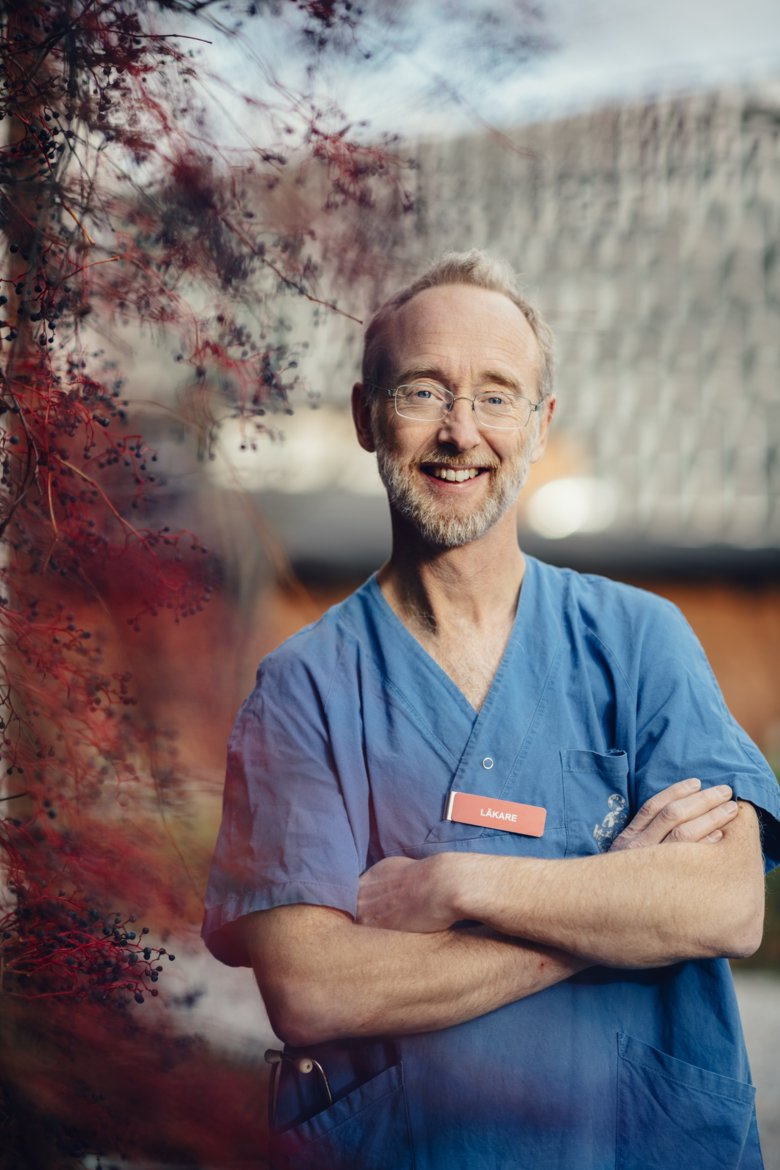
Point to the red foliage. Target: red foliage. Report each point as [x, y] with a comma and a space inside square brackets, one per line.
[116, 212]
[83, 1083]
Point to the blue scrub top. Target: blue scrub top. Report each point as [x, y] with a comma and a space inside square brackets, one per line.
[345, 753]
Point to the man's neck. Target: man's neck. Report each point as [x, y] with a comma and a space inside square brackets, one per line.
[439, 590]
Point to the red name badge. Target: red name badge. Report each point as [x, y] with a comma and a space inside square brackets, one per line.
[467, 809]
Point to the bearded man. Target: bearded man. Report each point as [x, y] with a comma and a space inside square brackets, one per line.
[489, 830]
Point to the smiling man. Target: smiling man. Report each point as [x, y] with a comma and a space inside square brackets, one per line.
[489, 830]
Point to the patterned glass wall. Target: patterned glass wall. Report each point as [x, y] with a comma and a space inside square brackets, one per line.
[650, 237]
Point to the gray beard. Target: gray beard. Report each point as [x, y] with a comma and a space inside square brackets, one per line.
[430, 519]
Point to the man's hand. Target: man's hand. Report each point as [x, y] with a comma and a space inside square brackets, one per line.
[682, 812]
[401, 894]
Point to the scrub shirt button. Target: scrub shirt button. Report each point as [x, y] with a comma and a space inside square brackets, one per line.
[487, 763]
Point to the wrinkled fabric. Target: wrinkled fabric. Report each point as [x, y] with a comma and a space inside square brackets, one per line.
[345, 753]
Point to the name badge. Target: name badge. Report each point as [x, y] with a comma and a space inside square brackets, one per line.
[467, 809]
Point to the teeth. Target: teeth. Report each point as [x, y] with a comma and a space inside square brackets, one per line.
[455, 475]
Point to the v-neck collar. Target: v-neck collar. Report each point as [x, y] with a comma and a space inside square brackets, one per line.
[446, 679]
[487, 749]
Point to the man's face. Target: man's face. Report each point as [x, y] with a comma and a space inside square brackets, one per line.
[465, 338]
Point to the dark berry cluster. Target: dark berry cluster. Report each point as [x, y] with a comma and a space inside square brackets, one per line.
[54, 947]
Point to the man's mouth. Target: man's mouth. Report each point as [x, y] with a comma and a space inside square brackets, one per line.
[452, 474]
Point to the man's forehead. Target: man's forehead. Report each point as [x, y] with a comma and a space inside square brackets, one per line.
[453, 320]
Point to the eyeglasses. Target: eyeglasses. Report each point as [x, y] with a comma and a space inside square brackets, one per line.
[493, 406]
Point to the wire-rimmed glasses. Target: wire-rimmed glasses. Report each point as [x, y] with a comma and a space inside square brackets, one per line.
[426, 400]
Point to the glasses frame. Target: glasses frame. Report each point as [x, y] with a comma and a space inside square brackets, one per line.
[392, 392]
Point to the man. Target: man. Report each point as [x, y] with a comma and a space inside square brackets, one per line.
[510, 980]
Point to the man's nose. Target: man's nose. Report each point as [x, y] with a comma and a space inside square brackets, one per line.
[459, 426]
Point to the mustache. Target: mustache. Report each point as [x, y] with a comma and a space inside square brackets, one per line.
[445, 459]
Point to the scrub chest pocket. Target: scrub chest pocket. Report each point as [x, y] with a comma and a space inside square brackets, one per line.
[595, 799]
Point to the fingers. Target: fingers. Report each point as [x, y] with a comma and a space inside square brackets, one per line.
[706, 826]
[683, 812]
[380, 892]
[400, 893]
[651, 809]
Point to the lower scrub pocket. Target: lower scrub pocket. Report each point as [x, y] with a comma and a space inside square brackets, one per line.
[365, 1130]
[672, 1115]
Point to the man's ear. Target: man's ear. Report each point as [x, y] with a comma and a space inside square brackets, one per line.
[361, 414]
[540, 444]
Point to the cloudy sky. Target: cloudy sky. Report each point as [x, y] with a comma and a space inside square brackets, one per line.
[600, 49]
[444, 65]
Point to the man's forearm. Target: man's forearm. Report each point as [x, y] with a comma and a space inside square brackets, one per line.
[637, 908]
[323, 977]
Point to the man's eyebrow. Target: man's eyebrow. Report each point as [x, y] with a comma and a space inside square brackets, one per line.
[436, 374]
[501, 378]
[413, 373]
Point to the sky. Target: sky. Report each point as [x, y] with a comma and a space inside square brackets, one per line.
[601, 50]
[431, 69]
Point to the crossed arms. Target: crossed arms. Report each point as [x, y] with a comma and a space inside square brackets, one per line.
[683, 880]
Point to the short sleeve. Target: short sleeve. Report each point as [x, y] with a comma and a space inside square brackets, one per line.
[285, 836]
[684, 728]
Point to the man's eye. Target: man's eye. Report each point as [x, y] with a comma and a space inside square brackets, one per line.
[425, 392]
[498, 398]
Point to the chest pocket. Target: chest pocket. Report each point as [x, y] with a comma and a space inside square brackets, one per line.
[596, 799]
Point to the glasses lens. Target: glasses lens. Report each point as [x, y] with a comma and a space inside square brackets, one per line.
[423, 400]
[502, 409]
